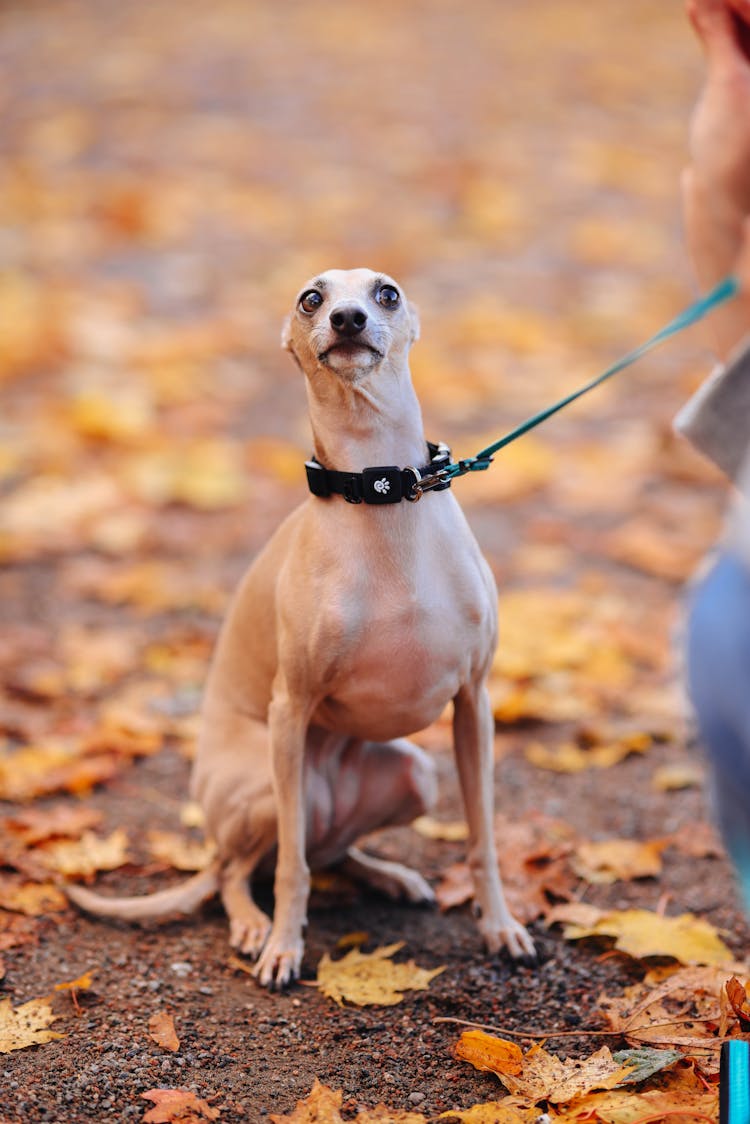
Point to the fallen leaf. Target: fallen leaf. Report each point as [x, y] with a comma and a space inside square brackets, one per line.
[177, 1105]
[382, 1115]
[34, 825]
[371, 979]
[162, 1031]
[738, 995]
[453, 831]
[31, 898]
[641, 933]
[180, 852]
[644, 1062]
[41, 770]
[494, 1112]
[674, 778]
[320, 1106]
[539, 1076]
[488, 1052]
[455, 887]
[80, 858]
[83, 983]
[611, 860]
[27, 1025]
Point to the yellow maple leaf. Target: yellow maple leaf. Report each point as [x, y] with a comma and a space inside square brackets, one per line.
[371, 979]
[382, 1115]
[179, 852]
[320, 1106]
[641, 933]
[545, 1077]
[30, 898]
[80, 858]
[608, 860]
[27, 1025]
[506, 1111]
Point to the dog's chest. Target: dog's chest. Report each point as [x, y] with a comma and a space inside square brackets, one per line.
[408, 648]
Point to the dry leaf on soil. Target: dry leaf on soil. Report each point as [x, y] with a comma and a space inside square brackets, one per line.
[738, 995]
[539, 1076]
[321, 1106]
[610, 860]
[31, 898]
[27, 1025]
[641, 933]
[505, 1111]
[81, 858]
[372, 979]
[452, 831]
[162, 1031]
[35, 825]
[179, 851]
[179, 1106]
[488, 1052]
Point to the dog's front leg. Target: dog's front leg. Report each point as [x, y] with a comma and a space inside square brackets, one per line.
[282, 954]
[473, 744]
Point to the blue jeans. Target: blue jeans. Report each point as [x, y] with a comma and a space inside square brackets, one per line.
[718, 651]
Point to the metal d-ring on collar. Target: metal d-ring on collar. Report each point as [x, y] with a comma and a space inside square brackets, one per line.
[382, 484]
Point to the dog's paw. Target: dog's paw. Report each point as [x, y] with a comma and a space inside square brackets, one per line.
[249, 934]
[508, 934]
[280, 962]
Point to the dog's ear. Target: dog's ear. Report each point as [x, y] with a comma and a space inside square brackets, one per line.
[414, 317]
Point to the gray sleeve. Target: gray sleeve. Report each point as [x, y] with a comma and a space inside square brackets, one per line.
[717, 418]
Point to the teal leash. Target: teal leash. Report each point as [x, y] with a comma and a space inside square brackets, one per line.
[724, 291]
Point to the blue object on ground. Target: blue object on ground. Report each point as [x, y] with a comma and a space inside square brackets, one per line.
[734, 1083]
[718, 652]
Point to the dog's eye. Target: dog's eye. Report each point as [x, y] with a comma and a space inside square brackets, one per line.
[387, 296]
[310, 302]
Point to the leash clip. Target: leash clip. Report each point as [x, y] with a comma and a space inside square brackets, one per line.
[427, 483]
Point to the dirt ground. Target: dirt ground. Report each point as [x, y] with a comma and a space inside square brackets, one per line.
[171, 174]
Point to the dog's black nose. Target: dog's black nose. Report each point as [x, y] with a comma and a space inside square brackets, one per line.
[348, 319]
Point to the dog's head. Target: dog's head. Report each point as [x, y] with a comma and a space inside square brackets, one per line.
[350, 322]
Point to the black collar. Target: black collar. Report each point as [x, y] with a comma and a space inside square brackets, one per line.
[382, 484]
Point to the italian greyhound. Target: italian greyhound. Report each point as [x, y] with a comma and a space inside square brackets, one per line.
[355, 625]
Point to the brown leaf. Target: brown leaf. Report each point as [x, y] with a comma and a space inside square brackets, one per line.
[162, 1031]
[34, 825]
[738, 995]
[177, 1105]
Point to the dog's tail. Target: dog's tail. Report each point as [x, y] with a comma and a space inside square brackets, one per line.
[177, 901]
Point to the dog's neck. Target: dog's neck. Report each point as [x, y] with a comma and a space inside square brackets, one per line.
[374, 421]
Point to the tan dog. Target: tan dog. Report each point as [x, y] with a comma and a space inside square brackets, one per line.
[354, 626]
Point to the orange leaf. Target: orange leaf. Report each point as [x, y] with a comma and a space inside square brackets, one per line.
[486, 1052]
[162, 1031]
[177, 1105]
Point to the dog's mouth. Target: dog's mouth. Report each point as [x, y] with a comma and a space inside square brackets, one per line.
[348, 348]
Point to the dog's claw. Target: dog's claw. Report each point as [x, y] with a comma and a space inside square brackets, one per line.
[511, 935]
[248, 935]
[278, 966]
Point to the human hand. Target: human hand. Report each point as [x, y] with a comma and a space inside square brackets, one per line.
[716, 185]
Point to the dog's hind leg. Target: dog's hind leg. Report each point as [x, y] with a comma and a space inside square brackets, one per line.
[248, 924]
